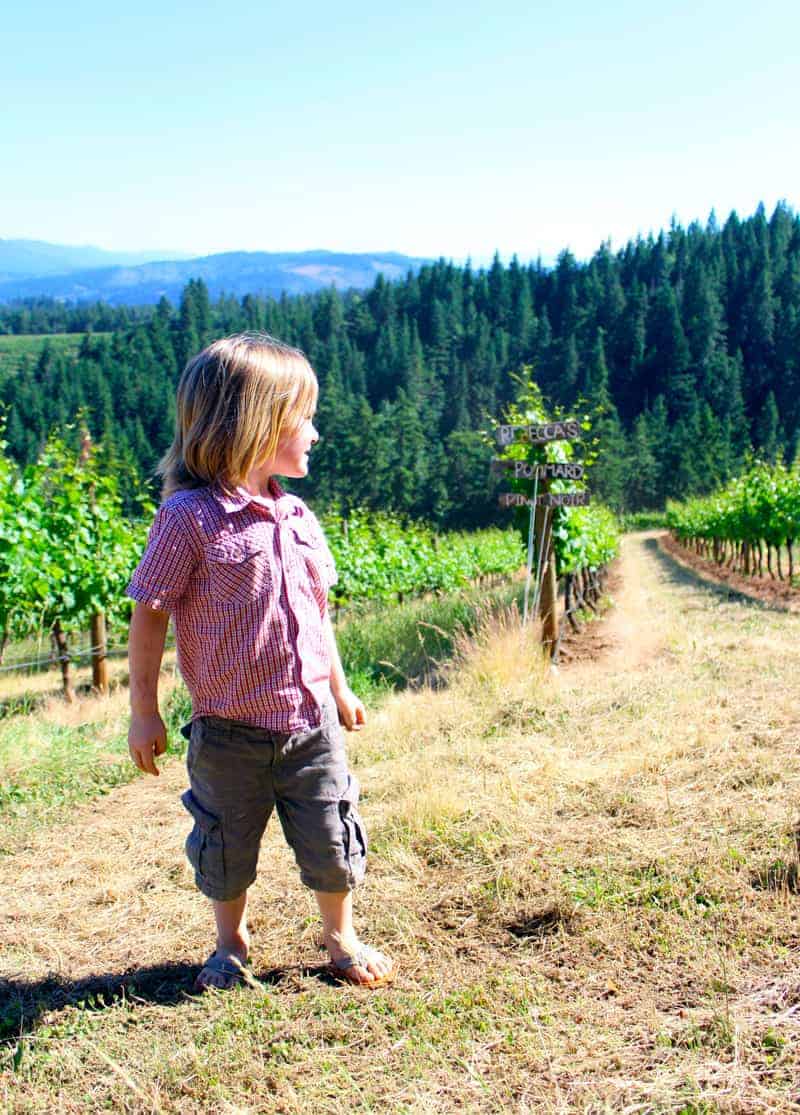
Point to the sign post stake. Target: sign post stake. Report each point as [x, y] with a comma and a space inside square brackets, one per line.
[546, 599]
[542, 508]
[531, 548]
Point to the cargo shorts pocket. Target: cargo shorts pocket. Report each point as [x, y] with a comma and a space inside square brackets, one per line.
[354, 835]
[204, 846]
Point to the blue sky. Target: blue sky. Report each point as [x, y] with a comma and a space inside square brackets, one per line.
[433, 129]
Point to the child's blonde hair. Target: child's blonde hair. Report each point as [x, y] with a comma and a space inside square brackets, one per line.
[236, 400]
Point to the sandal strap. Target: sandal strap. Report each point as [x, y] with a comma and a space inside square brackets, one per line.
[361, 957]
[233, 969]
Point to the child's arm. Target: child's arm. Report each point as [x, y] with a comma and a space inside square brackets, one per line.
[350, 707]
[147, 736]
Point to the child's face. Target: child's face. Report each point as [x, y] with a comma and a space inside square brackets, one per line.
[291, 458]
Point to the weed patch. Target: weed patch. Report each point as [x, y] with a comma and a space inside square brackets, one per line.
[652, 886]
[777, 876]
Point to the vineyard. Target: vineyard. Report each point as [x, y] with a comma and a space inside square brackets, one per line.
[67, 552]
[750, 525]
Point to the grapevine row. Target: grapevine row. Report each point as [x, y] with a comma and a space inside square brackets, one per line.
[67, 551]
[746, 524]
[379, 557]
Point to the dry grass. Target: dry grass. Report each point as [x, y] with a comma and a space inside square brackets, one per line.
[36, 689]
[590, 880]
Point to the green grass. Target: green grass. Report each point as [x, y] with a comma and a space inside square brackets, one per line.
[47, 767]
[654, 886]
[304, 1042]
[393, 646]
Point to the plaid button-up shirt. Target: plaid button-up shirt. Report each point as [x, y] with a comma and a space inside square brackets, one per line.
[246, 581]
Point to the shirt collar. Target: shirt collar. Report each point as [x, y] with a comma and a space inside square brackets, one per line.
[277, 505]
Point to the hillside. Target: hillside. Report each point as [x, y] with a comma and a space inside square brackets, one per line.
[588, 878]
[683, 349]
[27, 259]
[232, 273]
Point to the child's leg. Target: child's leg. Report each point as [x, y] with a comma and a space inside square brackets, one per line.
[317, 802]
[233, 940]
[340, 936]
[231, 919]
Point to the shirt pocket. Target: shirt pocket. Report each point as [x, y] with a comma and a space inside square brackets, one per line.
[239, 570]
[316, 555]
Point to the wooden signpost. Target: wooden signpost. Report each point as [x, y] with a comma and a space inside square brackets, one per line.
[524, 470]
[539, 433]
[542, 502]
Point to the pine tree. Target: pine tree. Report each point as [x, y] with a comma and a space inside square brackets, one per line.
[668, 354]
[768, 434]
[641, 474]
[608, 475]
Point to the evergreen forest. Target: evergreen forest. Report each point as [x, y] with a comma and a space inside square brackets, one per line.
[684, 348]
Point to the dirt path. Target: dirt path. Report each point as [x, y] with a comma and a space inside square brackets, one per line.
[635, 628]
[596, 866]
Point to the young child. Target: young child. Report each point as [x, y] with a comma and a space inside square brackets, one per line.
[244, 570]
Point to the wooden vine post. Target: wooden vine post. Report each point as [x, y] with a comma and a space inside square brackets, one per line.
[542, 502]
[548, 592]
[97, 623]
[99, 660]
[62, 650]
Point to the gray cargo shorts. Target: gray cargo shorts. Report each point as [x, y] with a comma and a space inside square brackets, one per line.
[238, 773]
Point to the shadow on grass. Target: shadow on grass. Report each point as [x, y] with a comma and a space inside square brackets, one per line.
[679, 574]
[538, 925]
[23, 1002]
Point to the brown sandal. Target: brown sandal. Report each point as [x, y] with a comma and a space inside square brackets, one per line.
[233, 971]
[340, 969]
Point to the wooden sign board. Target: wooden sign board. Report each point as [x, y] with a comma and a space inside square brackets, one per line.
[550, 499]
[514, 499]
[524, 470]
[564, 499]
[539, 433]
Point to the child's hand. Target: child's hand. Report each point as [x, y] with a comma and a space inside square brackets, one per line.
[351, 710]
[147, 737]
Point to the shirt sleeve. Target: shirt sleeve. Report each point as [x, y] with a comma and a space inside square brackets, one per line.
[171, 556]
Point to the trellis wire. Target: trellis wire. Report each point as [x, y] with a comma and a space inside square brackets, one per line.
[71, 656]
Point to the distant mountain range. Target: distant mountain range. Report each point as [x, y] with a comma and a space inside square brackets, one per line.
[31, 259]
[35, 269]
